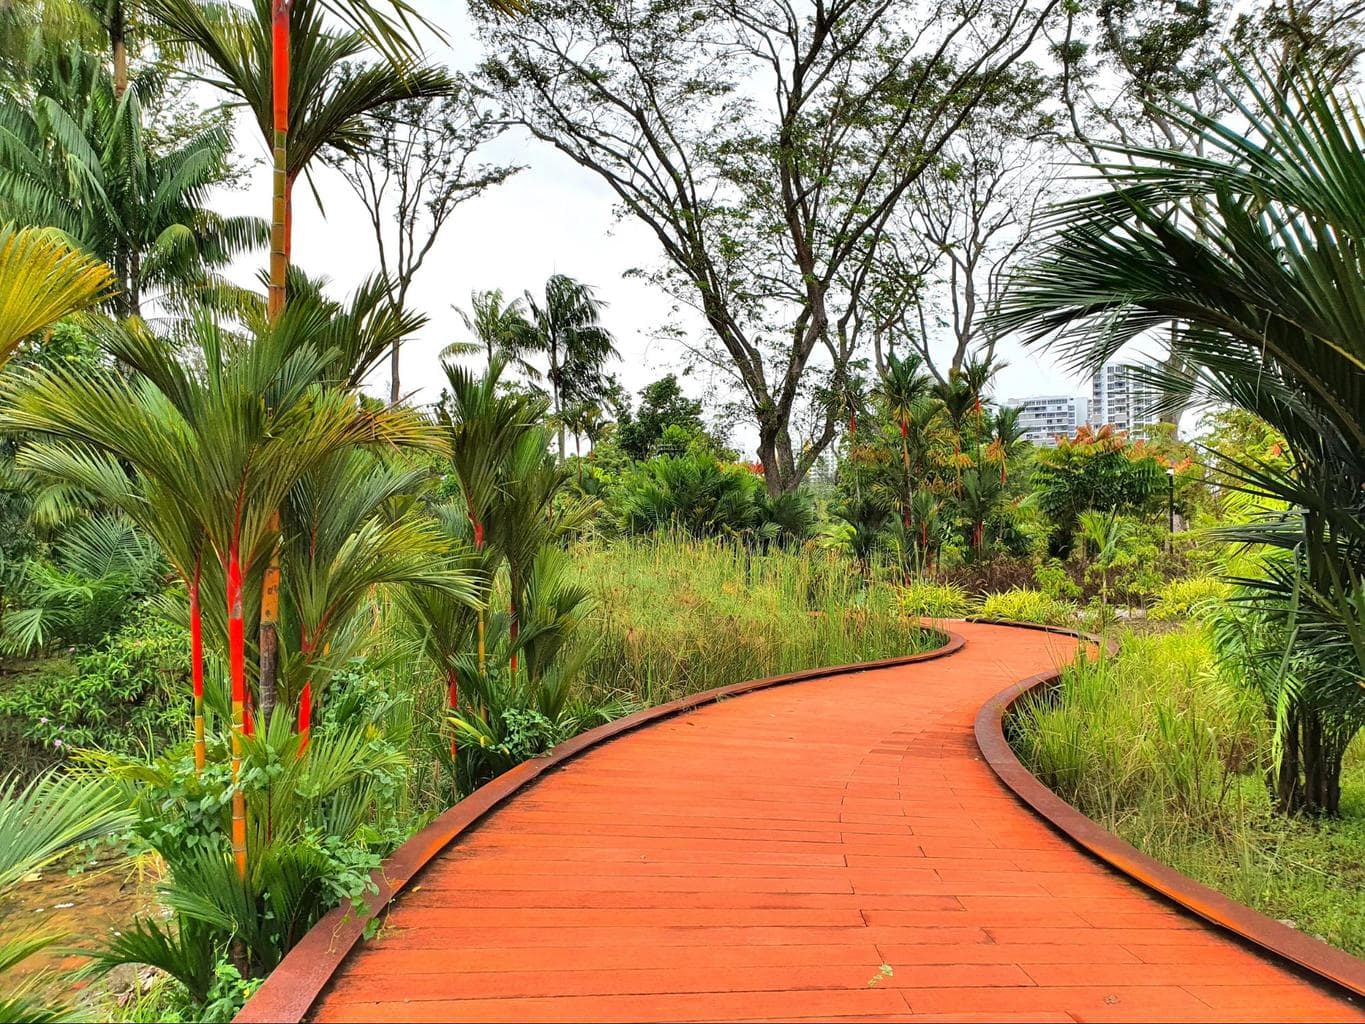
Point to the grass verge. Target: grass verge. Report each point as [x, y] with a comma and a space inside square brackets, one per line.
[1164, 750]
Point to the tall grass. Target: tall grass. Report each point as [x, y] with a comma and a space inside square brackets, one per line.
[675, 615]
[1162, 748]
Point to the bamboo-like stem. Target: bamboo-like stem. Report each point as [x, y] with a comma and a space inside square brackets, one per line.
[453, 704]
[305, 723]
[237, 669]
[118, 42]
[281, 244]
[269, 642]
[483, 625]
[279, 221]
[197, 669]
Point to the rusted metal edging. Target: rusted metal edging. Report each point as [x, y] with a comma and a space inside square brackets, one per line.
[1312, 955]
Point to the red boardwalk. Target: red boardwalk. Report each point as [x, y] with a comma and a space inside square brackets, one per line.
[835, 849]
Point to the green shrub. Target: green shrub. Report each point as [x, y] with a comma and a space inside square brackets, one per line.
[1158, 726]
[1022, 605]
[102, 567]
[934, 600]
[1054, 580]
[1188, 598]
[699, 494]
[129, 692]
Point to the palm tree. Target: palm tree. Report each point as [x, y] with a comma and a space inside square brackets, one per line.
[926, 513]
[959, 402]
[582, 420]
[977, 373]
[982, 495]
[43, 280]
[1099, 538]
[866, 518]
[346, 536]
[215, 442]
[566, 326]
[482, 427]
[904, 387]
[282, 64]
[528, 515]
[42, 23]
[280, 61]
[446, 624]
[78, 159]
[510, 489]
[500, 330]
[1007, 437]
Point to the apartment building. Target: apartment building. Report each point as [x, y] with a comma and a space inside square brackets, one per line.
[1121, 399]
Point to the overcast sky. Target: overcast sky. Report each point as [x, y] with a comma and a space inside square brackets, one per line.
[551, 218]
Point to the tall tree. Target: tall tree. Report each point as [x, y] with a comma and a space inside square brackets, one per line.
[972, 213]
[766, 146]
[566, 326]
[31, 26]
[1126, 67]
[417, 169]
[282, 62]
[78, 158]
[500, 330]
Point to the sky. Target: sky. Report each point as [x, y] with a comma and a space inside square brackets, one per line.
[553, 217]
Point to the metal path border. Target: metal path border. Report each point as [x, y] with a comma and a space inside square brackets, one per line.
[1310, 954]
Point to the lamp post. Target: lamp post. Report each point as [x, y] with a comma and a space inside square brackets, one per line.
[1170, 507]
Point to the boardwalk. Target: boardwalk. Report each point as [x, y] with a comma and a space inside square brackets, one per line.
[835, 849]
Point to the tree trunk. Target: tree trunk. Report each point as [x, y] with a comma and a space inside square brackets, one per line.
[118, 42]
[453, 705]
[237, 672]
[554, 391]
[279, 220]
[905, 465]
[304, 725]
[269, 638]
[395, 391]
[281, 243]
[1307, 781]
[775, 453]
[197, 671]
[134, 282]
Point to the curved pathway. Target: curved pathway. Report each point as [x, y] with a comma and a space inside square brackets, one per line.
[835, 849]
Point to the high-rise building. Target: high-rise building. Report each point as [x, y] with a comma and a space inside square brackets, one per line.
[1122, 399]
[1044, 418]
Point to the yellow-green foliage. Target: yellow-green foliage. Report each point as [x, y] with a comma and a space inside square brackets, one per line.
[1154, 724]
[1024, 605]
[935, 600]
[1187, 598]
[1164, 749]
[674, 616]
